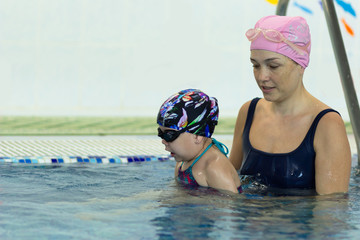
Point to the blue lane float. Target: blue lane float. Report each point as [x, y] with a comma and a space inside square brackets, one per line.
[83, 159]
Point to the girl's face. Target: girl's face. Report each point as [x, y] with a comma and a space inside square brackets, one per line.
[183, 148]
[277, 76]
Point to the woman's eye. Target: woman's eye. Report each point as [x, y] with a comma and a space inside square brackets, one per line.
[273, 66]
[255, 66]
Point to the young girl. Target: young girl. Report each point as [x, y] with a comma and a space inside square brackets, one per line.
[186, 122]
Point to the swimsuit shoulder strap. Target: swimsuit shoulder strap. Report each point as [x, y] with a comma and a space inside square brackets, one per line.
[197, 159]
[222, 147]
[317, 120]
[251, 112]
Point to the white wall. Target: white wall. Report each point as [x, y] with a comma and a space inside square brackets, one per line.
[125, 57]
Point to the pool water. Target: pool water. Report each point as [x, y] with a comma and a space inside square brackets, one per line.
[142, 201]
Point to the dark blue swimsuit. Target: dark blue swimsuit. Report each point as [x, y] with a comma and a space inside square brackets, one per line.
[295, 169]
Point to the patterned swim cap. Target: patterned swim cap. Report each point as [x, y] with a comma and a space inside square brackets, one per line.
[190, 109]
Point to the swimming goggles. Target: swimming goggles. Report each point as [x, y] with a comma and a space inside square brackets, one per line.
[170, 135]
[275, 36]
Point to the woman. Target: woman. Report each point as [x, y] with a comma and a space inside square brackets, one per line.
[288, 139]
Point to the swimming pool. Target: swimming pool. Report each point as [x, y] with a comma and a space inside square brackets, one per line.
[140, 200]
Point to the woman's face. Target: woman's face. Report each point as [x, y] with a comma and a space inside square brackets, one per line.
[277, 76]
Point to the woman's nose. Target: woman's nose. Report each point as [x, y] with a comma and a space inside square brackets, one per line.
[263, 74]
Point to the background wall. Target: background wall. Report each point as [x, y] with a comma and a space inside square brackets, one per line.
[125, 57]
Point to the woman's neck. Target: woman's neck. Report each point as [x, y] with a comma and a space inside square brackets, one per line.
[292, 105]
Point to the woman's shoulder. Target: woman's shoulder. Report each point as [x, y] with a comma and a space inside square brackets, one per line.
[328, 114]
[243, 114]
[328, 118]
[251, 101]
[245, 107]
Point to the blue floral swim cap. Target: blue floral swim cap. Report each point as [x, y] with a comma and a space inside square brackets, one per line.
[190, 109]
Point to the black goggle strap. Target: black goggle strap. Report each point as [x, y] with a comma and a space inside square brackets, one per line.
[188, 127]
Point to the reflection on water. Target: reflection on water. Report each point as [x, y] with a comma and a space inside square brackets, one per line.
[226, 216]
[205, 214]
[303, 217]
[142, 201]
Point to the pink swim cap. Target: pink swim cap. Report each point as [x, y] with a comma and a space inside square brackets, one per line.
[294, 29]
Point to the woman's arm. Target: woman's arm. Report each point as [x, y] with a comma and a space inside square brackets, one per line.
[236, 153]
[333, 155]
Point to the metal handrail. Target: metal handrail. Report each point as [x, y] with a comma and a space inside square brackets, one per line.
[281, 8]
[342, 64]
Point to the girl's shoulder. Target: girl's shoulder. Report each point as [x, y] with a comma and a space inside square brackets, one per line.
[215, 158]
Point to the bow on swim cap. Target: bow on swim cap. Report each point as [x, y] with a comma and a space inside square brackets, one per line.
[294, 29]
[190, 109]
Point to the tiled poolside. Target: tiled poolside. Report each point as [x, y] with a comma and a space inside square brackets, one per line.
[91, 149]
